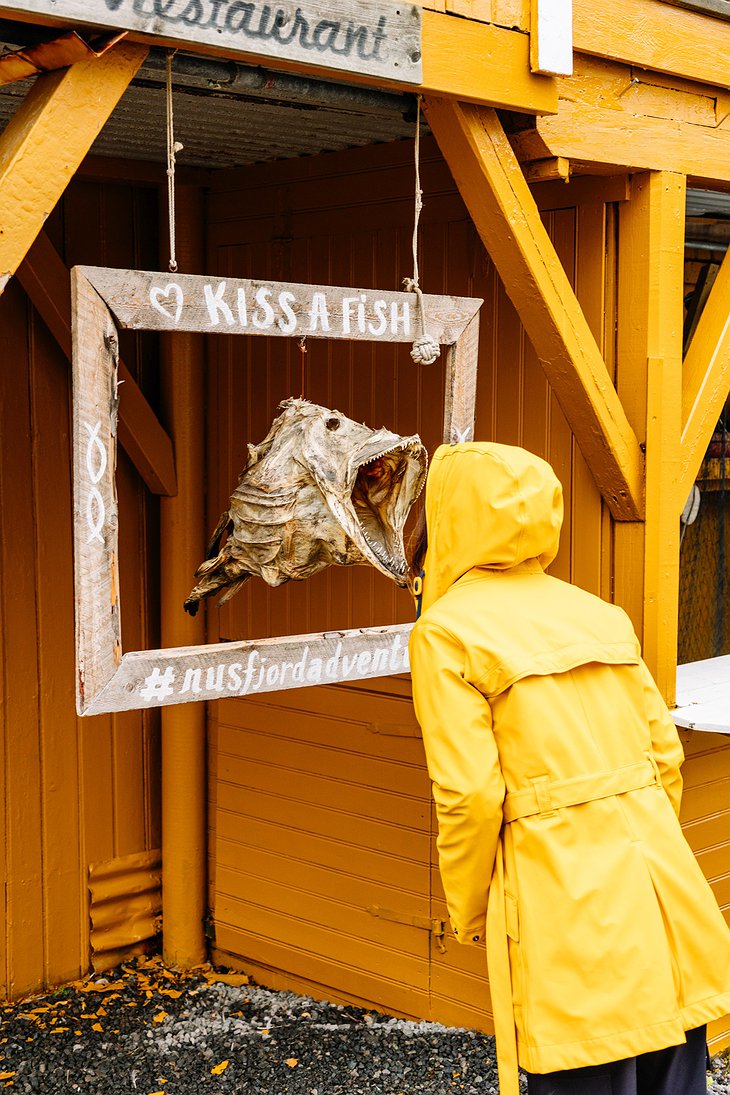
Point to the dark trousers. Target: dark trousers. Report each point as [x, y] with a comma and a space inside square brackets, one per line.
[679, 1070]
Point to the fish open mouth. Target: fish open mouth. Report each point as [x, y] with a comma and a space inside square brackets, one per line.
[386, 484]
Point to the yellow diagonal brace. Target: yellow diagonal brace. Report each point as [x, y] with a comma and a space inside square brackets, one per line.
[705, 380]
[48, 137]
[504, 213]
[47, 281]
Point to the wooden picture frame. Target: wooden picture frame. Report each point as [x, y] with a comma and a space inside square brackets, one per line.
[102, 300]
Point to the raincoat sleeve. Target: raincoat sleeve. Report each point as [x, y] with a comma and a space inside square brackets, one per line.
[666, 746]
[464, 766]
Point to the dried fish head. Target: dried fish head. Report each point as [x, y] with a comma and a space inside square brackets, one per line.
[319, 489]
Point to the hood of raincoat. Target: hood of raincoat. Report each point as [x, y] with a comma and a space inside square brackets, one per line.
[488, 505]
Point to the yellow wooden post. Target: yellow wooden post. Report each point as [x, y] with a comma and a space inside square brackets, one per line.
[184, 849]
[48, 137]
[651, 250]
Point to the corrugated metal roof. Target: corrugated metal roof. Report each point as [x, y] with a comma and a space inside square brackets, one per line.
[710, 203]
[228, 115]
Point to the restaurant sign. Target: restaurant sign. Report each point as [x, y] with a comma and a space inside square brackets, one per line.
[374, 38]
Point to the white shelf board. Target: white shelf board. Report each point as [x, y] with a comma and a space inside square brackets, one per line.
[703, 696]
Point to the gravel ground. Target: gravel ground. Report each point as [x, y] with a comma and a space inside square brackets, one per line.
[149, 1031]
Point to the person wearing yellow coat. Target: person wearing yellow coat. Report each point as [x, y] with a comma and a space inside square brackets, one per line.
[556, 776]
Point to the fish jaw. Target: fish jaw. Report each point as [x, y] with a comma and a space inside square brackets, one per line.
[384, 479]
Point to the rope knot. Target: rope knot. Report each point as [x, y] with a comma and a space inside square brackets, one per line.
[425, 350]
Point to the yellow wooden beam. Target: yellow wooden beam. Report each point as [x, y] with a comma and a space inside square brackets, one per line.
[505, 215]
[705, 380]
[483, 63]
[45, 278]
[654, 35]
[47, 139]
[629, 140]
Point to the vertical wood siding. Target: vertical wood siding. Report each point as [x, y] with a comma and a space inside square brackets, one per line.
[76, 791]
[320, 800]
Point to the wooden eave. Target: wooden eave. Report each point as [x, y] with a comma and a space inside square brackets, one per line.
[614, 117]
[464, 58]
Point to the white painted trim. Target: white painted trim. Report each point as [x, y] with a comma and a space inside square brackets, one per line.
[703, 696]
[551, 37]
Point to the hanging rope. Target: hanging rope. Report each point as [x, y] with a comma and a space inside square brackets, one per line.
[425, 349]
[303, 351]
[173, 147]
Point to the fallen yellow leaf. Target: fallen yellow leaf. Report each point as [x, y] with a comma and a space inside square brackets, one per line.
[97, 1026]
[292, 1062]
[157, 1093]
[92, 986]
[174, 994]
[160, 1017]
[218, 1069]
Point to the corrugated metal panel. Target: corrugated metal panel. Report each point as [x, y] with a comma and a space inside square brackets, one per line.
[316, 816]
[74, 791]
[713, 203]
[125, 907]
[224, 119]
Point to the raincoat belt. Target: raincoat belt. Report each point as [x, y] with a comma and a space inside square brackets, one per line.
[544, 796]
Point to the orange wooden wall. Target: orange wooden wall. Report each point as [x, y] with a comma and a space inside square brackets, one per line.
[75, 791]
[320, 800]
[323, 871]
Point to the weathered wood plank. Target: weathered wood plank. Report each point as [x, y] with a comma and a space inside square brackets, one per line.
[106, 680]
[47, 139]
[145, 300]
[157, 678]
[98, 627]
[505, 215]
[461, 386]
[45, 278]
[380, 38]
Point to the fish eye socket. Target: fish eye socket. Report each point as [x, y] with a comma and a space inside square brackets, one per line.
[332, 423]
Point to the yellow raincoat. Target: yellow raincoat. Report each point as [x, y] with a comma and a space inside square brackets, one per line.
[555, 769]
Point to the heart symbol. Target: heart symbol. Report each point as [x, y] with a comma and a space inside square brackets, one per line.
[168, 301]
